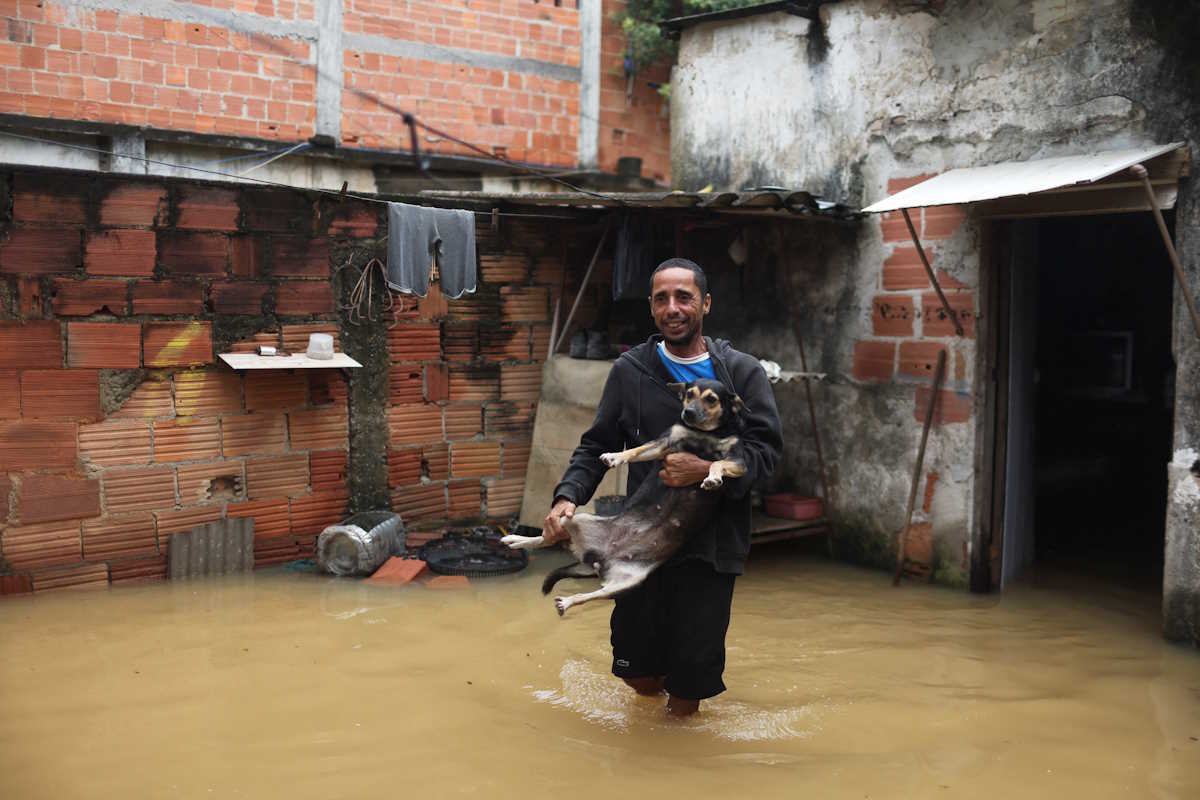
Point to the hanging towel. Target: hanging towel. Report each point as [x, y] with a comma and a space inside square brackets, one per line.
[418, 233]
[633, 257]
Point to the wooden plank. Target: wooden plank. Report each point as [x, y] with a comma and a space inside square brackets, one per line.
[293, 361]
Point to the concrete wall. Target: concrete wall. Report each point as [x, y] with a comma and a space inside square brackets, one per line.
[859, 105]
[119, 426]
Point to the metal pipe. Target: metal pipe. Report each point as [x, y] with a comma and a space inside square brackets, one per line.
[1139, 172]
[958, 328]
[916, 480]
[583, 285]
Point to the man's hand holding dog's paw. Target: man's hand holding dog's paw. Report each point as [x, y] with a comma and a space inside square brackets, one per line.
[683, 469]
[552, 529]
[711, 483]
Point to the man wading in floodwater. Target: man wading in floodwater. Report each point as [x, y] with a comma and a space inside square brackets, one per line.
[669, 632]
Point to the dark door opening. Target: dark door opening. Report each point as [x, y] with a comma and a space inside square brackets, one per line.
[1090, 398]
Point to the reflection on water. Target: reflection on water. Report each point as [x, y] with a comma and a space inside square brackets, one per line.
[289, 685]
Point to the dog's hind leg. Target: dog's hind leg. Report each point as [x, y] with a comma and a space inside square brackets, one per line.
[619, 578]
[569, 571]
[523, 542]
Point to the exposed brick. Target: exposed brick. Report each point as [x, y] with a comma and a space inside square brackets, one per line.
[504, 267]
[298, 256]
[303, 298]
[270, 390]
[935, 322]
[184, 520]
[30, 298]
[460, 343]
[504, 344]
[433, 305]
[207, 392]
[504, 497]
[520, 382]
[38, 199]
[122, 536]
[327, 470]
[474, 384]
[30, 344]
[171, 344]
[516, 458]
[108, 443]
[435, 461]
[124, 571]
[466, 499]
[896, 185]
[120, 252]
[524, 304]
[874, 361]
[128, 490]
[354, 221]
[239, 297]
[104, 344]
[404, 467]
[74, 578]
[295, 337]
[194, 253]
[316, 512]
[951, 406]
[319, 429]
[206, 208]
[892, 315]
[46, 498]
[903, 270]
[474, 459]
[893, 227]
[252, 434]
[508, 419]
[186, 439]
[919, 359]
[211, 481]
[277, 212]
[65, 393]
[420, 502]
[414, 342]
[35, 251]
[152, 398]
[23, 584]
[437, 382]
[272, 518]
[133, 204]
[942, 222]
[10, 396]
[948, 282]
[918, 544]
[325, 387]
[404, 384]
[415, 424]
[463, 421]
[248, 256]
[398, 571]
[42, 545]
[72, 298]
[283, 476]
[167, 297]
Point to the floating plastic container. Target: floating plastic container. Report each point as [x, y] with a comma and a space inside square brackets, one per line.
[794, 506]
[361, 544]
[320, 346]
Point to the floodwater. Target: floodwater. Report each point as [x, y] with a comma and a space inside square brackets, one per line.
[289, 685]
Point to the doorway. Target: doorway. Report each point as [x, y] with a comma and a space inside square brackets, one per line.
[1089, 398]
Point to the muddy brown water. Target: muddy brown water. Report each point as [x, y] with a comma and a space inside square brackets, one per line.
[287, 685]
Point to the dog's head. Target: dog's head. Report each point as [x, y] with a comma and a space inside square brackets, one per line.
[708, 405]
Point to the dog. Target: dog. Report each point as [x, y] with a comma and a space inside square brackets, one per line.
[623, 550]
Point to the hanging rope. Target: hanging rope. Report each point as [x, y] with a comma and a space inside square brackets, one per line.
[361, 306]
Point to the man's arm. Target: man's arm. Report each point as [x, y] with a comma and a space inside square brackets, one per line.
[762, 436]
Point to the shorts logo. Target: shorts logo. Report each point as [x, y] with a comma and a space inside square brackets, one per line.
[622, 662]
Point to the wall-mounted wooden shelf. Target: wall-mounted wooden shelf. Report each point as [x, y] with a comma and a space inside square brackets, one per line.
[294, 361]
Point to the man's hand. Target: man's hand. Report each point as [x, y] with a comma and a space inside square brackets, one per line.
[683, 469]
[552, 529]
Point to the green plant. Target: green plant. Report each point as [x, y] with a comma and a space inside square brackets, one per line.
[645, 44]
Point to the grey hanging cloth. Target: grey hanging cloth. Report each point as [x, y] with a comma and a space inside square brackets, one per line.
[633, 256]
[418, 233]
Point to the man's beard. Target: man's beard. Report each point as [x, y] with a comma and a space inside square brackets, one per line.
[689, 334]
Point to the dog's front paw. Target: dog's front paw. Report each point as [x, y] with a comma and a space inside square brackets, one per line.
[711, 482]
[612, 459]
[512, 540]
[562, 605]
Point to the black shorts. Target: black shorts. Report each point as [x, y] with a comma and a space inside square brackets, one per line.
[673, 625]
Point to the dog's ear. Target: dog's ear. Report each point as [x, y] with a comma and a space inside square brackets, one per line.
[736, 405]
[678, 388]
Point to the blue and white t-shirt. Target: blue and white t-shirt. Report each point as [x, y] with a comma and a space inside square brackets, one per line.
[686, 370]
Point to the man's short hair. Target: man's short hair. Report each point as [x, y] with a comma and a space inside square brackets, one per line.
[683, 263]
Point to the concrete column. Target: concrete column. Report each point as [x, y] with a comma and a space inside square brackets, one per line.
[329, 68]
[591, 23]
[128, 144]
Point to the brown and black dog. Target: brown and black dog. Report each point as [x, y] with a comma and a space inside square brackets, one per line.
[656, 521]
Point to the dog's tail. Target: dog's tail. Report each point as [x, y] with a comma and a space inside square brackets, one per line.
[576, 570]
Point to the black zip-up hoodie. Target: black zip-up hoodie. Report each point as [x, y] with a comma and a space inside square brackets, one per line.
[637, 407]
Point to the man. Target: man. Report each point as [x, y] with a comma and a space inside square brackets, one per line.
[669, 632]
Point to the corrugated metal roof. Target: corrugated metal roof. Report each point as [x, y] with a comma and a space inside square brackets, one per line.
[768, 201]
[1017, 178]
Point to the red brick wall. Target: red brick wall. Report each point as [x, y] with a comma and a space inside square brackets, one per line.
[639, 126]
[105, 276]
[909, 327]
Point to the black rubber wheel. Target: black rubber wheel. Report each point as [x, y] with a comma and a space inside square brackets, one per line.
[478, 554]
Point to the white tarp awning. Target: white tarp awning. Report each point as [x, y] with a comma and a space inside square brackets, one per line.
[1022, 178]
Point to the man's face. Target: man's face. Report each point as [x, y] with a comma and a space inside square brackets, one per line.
[676, 305]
